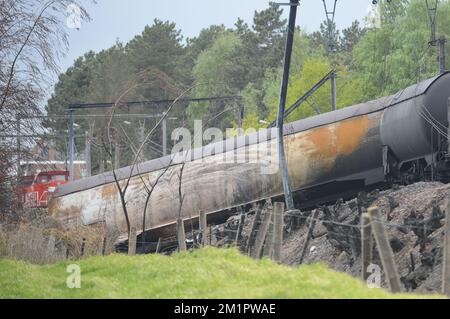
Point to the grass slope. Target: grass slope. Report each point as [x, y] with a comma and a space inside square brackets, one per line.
[206, 273]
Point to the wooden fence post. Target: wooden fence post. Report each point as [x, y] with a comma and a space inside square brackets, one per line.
[240, 228]
[268, 244]
[312, 225]
[446, 265]
[253, 231]
[262, 232]
[104, 246]
[181, 236]
[277, 231]
[51, 246]
[132, 241]
[158, 245]
[385, 251]
[203, 227]
[83, 244]
[210, 235]
[366, 245]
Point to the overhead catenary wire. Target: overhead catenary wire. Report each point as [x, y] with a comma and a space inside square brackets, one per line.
[433, 118]
[432, 13]
[422, 112]
[330, 15]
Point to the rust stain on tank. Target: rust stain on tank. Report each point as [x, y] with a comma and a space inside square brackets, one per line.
[342, 138]
[109, 191]
[69, 214]
[313, 153]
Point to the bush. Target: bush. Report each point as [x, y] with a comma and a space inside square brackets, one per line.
[40, 239]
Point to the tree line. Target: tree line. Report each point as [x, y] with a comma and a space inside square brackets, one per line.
[373, 58]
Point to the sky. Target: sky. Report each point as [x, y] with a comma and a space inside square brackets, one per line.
[123, 19]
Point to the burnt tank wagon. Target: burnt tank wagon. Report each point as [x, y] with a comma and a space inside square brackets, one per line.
[399, 138]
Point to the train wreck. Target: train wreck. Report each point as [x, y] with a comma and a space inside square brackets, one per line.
[337, 154]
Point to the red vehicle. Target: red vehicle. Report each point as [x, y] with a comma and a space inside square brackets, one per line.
[35, 191]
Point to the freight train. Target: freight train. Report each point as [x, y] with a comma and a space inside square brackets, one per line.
[35, 191]
[401, 138]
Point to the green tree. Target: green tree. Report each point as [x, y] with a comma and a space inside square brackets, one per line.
[349, 39]
[397, 54]
[110, 75]
[261, 52]
[72, 87]
[269, 31]
[196, 45]
[351, 36]
[159, 46]
[215, 75]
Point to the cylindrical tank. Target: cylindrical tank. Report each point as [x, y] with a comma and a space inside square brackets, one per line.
[405, 125]
[333, 148]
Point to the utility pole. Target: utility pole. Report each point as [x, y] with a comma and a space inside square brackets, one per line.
[432, 13]
[333, 90]
[331, 48]
[442, 54]
[71, 145]
[448, 121]
[19, 167]
[432, 7]
[164, 136]
[330, 25]
[283, 92]
[88, 153]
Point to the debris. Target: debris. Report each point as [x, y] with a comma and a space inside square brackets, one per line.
[396, 244]
[393, 204]
[414, 224]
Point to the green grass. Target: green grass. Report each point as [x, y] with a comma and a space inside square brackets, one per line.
[206, 273]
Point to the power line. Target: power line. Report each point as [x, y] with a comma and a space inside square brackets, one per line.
[432, 13]
[78, 116]
[303, 98]
[153, 102]
[330, 25]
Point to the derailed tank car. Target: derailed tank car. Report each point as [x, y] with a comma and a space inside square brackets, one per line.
[396, 138]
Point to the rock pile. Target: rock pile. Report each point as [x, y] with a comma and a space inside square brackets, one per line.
[414, 221]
